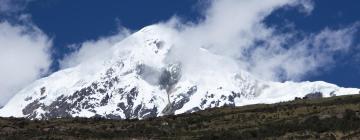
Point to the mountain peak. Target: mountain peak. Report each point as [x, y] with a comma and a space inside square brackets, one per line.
[140, 78]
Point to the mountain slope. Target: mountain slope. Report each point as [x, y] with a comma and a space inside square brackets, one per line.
[139, 78]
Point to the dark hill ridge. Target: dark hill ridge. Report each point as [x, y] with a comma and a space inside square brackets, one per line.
[328, 118]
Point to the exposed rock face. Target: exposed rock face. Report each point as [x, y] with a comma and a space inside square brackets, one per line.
[168, 79]
[85, 99]
[315, 95]
[179, 101]
[170, 76]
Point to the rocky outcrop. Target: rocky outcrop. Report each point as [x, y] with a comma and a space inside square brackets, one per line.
[315, 95]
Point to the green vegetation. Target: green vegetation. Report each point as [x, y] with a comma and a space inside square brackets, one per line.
[330, 118]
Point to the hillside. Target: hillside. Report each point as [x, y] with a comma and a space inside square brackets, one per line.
[327, 118]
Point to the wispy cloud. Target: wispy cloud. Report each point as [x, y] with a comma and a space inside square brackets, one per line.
[308, 54]
[93, 50]
[12, 6]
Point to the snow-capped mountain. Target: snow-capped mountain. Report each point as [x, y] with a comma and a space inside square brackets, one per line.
[137, 79]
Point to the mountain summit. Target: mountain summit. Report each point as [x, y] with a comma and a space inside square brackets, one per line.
[142, 77]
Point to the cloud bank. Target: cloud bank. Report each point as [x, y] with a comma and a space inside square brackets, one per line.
[24, 57]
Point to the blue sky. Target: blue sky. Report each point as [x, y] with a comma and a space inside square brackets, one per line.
[72, 22]
[67, 22]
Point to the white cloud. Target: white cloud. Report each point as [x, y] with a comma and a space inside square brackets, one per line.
[24, 56]
[92, 50]
[235, 30]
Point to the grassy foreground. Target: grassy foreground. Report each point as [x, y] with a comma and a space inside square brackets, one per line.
[330, 118]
